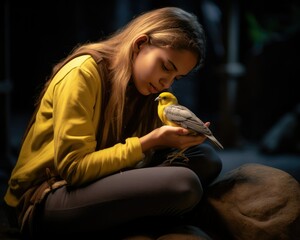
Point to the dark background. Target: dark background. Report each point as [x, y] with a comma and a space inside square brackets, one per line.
[248, 84]
[248, 88]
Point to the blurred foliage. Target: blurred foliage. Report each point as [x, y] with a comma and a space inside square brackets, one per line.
[267, 28]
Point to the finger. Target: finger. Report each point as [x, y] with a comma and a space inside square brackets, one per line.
[182, 131]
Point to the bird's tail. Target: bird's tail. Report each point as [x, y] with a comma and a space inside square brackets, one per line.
[215, 141]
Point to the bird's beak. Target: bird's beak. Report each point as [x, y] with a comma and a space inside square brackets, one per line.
[157, 99]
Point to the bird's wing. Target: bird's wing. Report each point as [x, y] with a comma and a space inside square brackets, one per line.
[185, 118]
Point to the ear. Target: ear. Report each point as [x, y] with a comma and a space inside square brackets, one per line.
[137, 44]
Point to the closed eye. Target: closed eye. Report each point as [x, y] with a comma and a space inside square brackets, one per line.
[165, 68]
[169, 70]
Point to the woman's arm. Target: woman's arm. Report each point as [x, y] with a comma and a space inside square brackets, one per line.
[76, 103]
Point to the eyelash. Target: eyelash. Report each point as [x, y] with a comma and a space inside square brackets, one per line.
[167, 70]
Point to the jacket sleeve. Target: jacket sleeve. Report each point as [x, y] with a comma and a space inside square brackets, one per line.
[76, 158]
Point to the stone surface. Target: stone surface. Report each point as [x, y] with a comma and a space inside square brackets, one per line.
[254, 201]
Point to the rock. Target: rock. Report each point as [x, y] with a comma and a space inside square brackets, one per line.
[253, 201]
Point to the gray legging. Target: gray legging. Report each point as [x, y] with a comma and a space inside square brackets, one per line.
[132, 197]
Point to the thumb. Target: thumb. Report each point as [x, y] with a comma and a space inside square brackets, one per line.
[182, 131]
[207, 124]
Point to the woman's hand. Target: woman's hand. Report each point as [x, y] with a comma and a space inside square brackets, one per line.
[168, 136]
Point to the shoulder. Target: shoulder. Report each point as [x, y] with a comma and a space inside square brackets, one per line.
[85, 62]
[83, 65]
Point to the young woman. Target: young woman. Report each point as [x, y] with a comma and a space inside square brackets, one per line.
[82, 165]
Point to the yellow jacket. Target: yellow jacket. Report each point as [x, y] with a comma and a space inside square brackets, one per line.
[63, 137]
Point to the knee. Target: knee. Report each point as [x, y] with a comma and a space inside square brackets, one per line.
[188, 189]
[214, 165]
[206, 163]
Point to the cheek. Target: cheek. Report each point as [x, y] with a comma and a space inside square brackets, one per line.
[143, 68]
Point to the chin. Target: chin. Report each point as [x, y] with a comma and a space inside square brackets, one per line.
[144, 92]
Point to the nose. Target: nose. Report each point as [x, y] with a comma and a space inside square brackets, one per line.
[166, 82]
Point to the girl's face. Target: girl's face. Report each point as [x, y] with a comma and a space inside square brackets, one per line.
[155, 69]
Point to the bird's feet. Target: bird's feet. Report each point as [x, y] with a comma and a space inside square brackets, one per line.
[177, 155]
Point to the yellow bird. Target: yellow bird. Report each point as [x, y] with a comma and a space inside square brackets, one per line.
[173, 114]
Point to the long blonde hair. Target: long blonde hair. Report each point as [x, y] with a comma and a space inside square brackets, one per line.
[168, 26]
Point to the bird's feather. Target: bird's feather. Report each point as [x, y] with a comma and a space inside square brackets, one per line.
[174, 114]
[185, 118]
